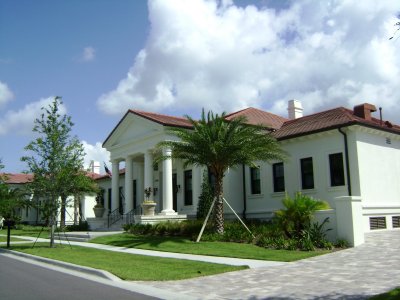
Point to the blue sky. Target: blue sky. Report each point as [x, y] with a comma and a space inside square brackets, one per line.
[177, 56]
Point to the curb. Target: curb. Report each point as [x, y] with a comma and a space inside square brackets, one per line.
[66, 265]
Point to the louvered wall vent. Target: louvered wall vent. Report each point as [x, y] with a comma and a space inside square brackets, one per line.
[396, 221]
[377, 223]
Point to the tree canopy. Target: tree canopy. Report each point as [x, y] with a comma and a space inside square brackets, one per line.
[219, 144]
[56, 161]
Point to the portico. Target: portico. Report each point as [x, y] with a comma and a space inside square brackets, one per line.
[133, 143]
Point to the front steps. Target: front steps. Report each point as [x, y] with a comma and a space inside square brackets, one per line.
[101, 224]
[72, 236]
[83, 236]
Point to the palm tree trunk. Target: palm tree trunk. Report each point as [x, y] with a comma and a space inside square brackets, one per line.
[219, 205]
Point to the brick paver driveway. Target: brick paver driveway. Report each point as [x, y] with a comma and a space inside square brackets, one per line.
[355, 273]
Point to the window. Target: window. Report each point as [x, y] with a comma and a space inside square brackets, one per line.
[336, 169]
[307, 173]
[188, 187]
[255, 181]
[278, 177]
[134, 190]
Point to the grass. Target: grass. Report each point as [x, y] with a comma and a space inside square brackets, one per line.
[185, 245]
[13, 239]
[32, 231]
[128, 266]
[392, 295]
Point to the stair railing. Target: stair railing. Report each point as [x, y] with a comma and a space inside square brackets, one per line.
[114, 217]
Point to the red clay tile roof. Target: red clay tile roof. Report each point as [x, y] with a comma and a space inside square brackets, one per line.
[93, 175]
[284, 128]
[326, 120]
[17, 178]
[163, 119]
[259, 117]
[105, 176]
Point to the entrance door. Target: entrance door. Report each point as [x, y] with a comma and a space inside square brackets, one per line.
[121, 201]
[134, 189]
[174, 192]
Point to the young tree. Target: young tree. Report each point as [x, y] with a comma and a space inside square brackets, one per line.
[220, 144]
[56, 161]
[10, 201]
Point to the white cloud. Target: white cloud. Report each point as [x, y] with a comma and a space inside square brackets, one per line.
[22, 121]
[6, 94]
[88, 54]
[223, 57]
[96, 153]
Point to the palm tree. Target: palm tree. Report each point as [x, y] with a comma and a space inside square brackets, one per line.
[219, 144]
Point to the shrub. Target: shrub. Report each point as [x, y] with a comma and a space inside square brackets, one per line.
[187, 228]
[82, 226]
[206, 197]
[267, 234]
[297, 214]
[341, 243]
[316, 234]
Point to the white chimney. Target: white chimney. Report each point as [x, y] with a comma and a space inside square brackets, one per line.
[94, 167]
[295, 109]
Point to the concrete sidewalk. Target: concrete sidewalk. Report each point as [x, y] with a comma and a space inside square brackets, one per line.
[355, 273]
[252, 263]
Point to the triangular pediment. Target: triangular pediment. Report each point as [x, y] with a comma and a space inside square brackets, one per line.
[132, 128]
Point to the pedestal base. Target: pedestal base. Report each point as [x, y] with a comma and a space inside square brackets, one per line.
[159, 218]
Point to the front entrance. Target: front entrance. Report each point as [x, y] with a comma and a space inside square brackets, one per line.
[174, 192]
[121, 201]
[134, 189]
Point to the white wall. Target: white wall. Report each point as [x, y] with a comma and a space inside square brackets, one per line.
[379, 167]
[317, 146]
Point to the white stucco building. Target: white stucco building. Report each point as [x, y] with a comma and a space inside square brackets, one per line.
[346, 157]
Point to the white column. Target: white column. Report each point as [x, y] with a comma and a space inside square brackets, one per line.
[167, 184]
[128, 184]
[148, 170]
[115, 185]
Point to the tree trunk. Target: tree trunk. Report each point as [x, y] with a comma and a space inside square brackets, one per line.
[53, 217]
[52, 230]
[219, 205]
[62, 212]
[8, 233]
[76, 209]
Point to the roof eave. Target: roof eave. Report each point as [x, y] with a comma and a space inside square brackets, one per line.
[351, 123]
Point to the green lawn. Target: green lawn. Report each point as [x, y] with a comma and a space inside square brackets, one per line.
[184, 245]
[392, 295]
[128, 266]
[15, 239]
[29, 231]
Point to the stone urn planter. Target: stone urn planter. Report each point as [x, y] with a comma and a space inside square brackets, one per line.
[98, 211]
[148, 208]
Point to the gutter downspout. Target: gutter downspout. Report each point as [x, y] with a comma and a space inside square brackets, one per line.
[244, 192]
[346, 153]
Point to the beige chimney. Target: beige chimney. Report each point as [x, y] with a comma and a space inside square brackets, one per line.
[295, 109]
